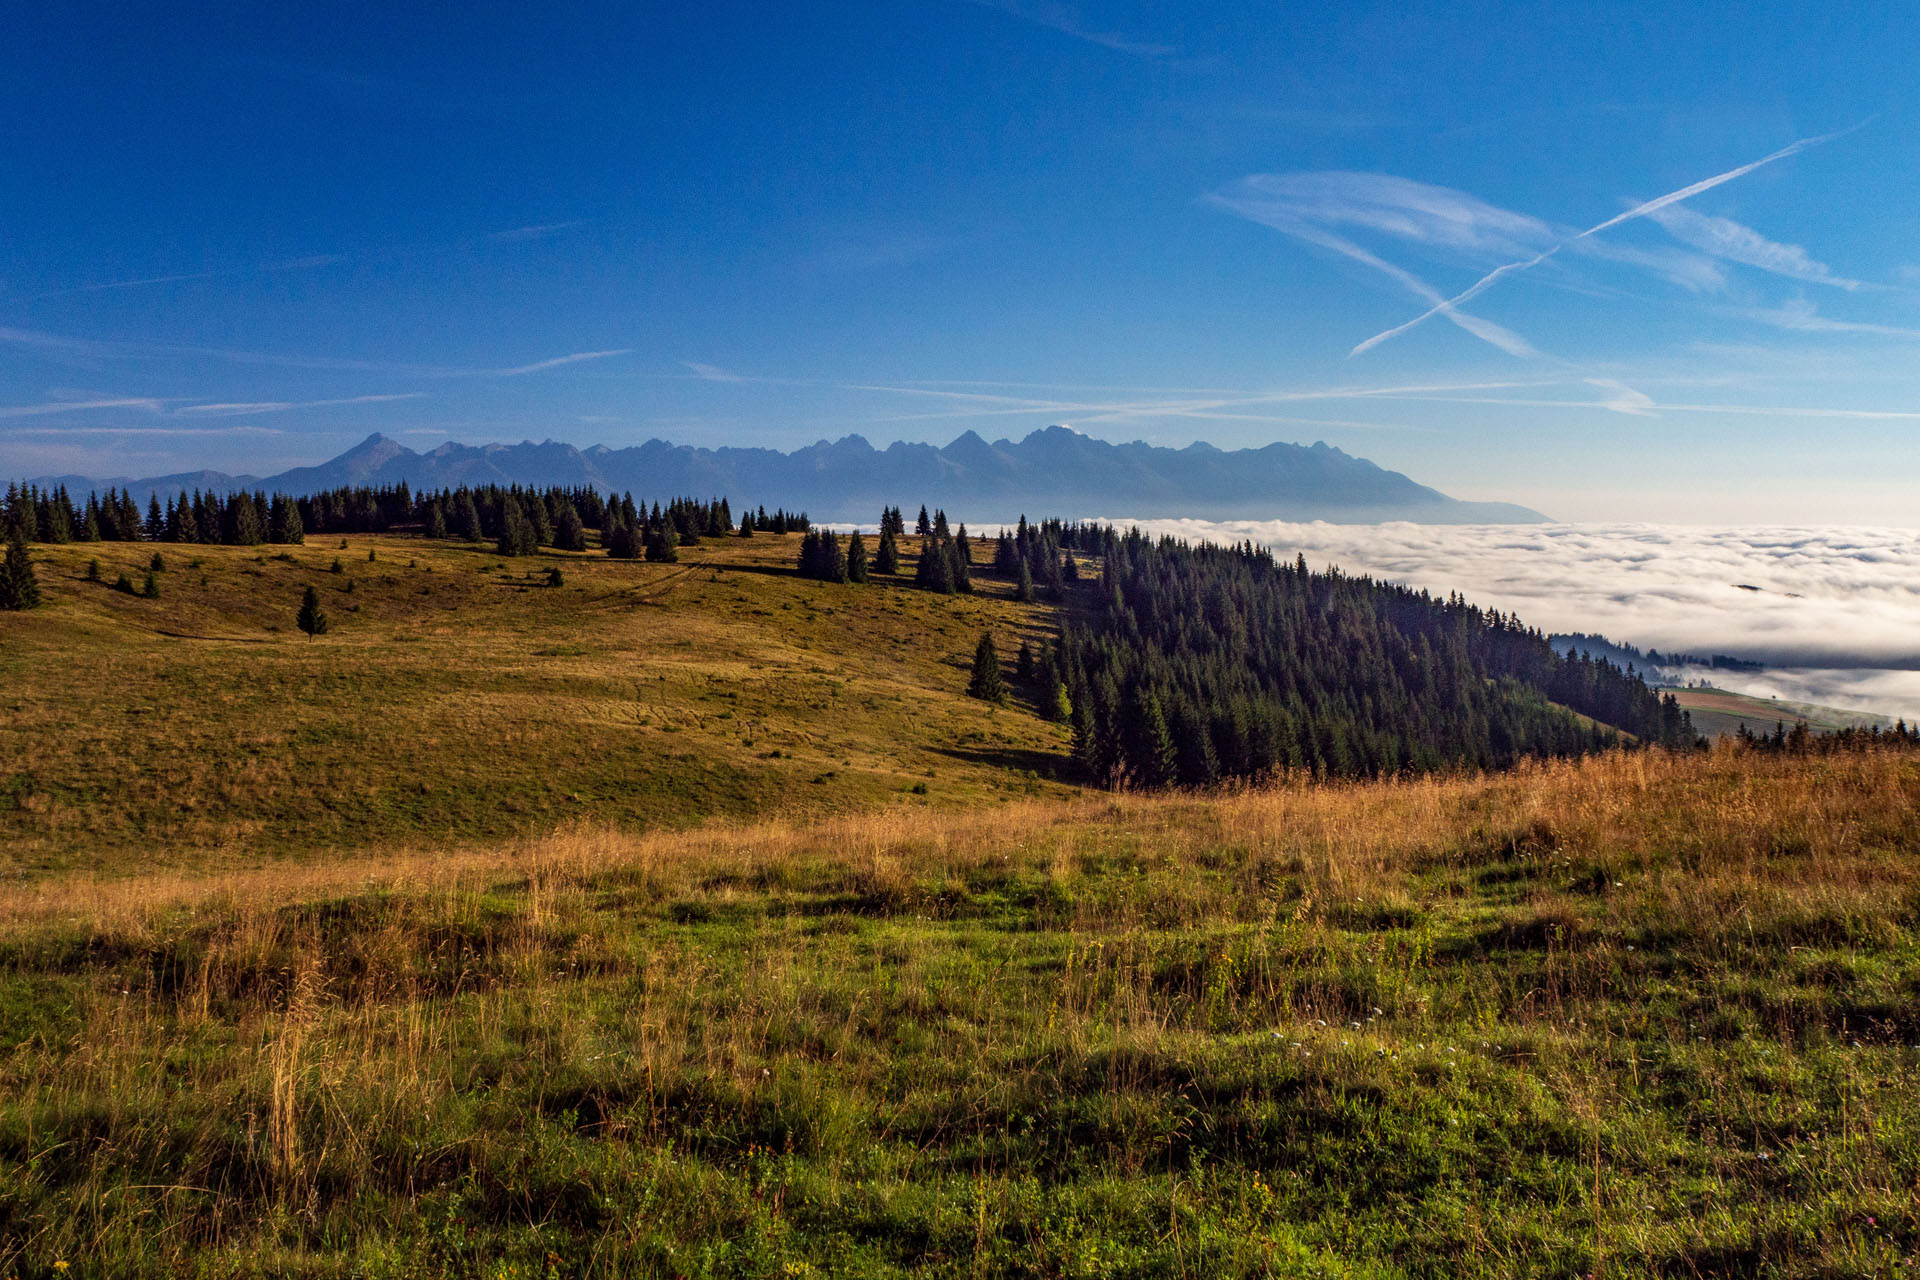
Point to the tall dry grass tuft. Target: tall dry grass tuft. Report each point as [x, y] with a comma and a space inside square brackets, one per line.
[288, 1073]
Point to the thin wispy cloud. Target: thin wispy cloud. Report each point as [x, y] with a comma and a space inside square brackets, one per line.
[1307, 207]
[535, 232]
[1725, 238]
[714, 373]
[147, 404]
[577, 357]
[94, 350]
[1622, 398]
[306, 263]
[281, 406]
[1635, 402]
[1065, 20]
[146, 431]
[1400, 207]
[134, 284]
[1644, 209]
[1237, 406]
[1801, 316]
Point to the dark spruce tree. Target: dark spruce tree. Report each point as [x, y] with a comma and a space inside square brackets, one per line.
[821, 557]
[19, 589]
[284, 527]
[468, 523]
[312, 619]
[986, 683]
[623, 541]
[1149, 744]
[887, 558]
[569, 531]
[1054, 703]
[857, 565]
[517, 536]
[663, 546]
[541, 519]
[935, 569]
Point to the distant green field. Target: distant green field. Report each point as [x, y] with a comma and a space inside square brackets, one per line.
[457, 697]
[1717, 712]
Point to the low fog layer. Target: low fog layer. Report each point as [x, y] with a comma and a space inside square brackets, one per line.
[1835, 610]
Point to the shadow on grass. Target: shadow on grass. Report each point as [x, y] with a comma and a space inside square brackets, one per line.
[1047, 764]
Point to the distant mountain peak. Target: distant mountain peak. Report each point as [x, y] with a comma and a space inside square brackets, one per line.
[1054, 471]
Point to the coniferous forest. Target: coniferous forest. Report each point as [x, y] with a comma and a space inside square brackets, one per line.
[517, 519]
[1190, 664]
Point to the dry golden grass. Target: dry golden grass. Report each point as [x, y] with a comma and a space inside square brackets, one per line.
[456, 698]
[1446, 1026]
[1364, 840]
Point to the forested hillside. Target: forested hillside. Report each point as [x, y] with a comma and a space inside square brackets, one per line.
[1195, 663]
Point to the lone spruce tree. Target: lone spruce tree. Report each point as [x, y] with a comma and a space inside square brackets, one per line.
[986, 683]
[569, 531]
[312, 619]
[856, 558]
[1146, 741]
[1055, 705]
[19, 589]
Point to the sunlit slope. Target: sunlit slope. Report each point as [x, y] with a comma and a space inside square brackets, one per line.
[1719, 711]
[456, 696]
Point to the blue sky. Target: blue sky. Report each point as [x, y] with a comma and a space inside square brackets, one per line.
[247, 236]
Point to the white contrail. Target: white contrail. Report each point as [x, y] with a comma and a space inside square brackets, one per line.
[1485, 330]
[1638, 211]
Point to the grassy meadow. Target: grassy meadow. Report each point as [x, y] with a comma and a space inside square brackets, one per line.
[1718, 712]
[456, 697]
[486, 936]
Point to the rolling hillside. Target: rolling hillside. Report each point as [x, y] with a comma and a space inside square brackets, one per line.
[1717, 712]
[457, 697]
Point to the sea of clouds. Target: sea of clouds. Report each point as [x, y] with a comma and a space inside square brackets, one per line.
[1834, 612]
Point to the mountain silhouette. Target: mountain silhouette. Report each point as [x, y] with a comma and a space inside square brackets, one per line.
[1053, 471]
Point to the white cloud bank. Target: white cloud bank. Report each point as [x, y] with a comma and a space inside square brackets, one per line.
[1835, 610]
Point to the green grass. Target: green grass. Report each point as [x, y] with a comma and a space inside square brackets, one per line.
[457, 698]
[1633, 1016]
[1718, 712]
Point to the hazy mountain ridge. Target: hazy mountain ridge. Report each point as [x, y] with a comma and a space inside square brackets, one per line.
[1053, 470]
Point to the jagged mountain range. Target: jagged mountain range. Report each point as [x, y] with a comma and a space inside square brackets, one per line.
[1055, 471]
